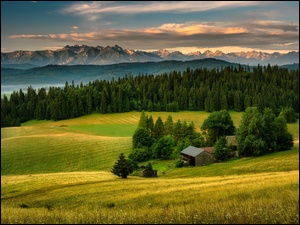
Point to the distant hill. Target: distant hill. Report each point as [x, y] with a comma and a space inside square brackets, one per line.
[89, 55]
[294, 66]
[54, 74]
[22, 66]
[57, 75]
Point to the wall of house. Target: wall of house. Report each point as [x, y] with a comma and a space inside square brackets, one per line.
[189, 159]
[204, 158]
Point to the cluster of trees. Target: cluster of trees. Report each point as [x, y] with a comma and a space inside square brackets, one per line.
[261, 133]
[196, 90]
[160, 140]
[124, 167]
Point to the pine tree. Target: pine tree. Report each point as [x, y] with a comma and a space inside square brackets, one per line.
[159, 129]
[143, 120]
[169, 125]
[122, 167]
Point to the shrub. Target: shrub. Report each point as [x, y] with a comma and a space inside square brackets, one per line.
[180, 163]
[148, 166]
[140, 154]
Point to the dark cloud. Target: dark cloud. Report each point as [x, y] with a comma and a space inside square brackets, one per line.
[266, 35]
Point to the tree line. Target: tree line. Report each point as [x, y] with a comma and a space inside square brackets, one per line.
[162, 139]
[229, 88]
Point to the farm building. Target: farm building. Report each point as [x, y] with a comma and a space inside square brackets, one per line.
[197, 156]
[231, 140]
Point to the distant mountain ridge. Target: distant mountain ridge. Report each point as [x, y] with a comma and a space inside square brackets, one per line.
[53, 74]
[99, 55]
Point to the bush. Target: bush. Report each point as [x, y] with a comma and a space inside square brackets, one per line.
[221, 149]
[141, 138]
[164, 147]
[140, 154]
[179, 163]
[289, 115]
[148, 166]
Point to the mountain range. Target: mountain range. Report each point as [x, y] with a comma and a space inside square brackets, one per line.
[59, 74]
[89, 55]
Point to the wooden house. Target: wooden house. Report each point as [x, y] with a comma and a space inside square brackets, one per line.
[196, 156]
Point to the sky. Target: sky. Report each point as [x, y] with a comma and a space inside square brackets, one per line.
[186, 26]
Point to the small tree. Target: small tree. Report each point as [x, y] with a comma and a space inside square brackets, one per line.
[289, 115]
[221, 149]
[122, 167]
[250, 140]
[141, 138]
[140, 154]
[158, 129]
[284, 138]
[164, 147]
[148, 166]
[143, 120]
[217, 124]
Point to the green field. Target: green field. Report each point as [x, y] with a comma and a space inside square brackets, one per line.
[59, 172]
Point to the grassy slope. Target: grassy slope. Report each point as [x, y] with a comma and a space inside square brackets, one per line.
[89, 143]
[47, 165]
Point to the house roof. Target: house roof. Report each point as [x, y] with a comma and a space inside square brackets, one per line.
[209, 149]
[192, 151]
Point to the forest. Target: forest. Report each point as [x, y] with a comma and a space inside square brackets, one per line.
[229, 88]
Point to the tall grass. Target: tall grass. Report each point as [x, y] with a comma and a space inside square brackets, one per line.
[93, 197]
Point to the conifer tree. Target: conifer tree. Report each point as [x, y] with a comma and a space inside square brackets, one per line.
[143, 120]
[159, 129]
[169, 125]
[122, 167]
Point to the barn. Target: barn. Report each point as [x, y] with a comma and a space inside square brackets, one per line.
[197, 156]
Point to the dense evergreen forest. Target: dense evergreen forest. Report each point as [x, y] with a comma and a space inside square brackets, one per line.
[230, 88]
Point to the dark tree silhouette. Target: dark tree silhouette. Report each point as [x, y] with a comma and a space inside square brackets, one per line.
[122, 167]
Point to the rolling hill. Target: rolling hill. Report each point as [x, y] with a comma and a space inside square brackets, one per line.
[57, 75]
[59, 172]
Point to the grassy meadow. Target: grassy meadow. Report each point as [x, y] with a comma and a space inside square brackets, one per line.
[59, 172]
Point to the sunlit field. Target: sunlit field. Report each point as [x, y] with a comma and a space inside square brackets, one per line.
[59, 172]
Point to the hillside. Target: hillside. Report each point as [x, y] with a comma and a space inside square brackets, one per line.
[58, 75]
[59, 172]
[47, 146]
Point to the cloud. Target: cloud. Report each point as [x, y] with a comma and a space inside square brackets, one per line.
[94, 10]
[5, 50]
[53, 48]
[266, 35]
[191, 28]
[75, 27]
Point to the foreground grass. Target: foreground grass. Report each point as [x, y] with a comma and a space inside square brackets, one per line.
[100, 197]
